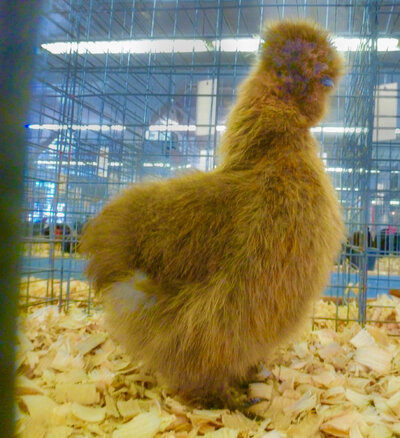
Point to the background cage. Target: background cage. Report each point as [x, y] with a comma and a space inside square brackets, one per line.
[126, 91]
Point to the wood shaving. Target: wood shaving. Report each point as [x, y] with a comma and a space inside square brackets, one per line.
[75, 382]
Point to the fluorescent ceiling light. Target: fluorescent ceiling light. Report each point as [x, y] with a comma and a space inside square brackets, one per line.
[338, 129]
[343, 44]
[348, 44]
[161, 164]
[56, 127]
[128, 46]
[68, 163]
[346, 189]
[172, 127]
[355, 44]
[388, 44]
[349, 170]
[157, 164]
[339, 170]
[237, 44]
[77, 163]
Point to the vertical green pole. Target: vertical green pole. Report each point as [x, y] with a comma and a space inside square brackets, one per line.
[17, 35]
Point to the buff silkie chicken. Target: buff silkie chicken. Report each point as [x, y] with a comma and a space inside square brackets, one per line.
[204, 275]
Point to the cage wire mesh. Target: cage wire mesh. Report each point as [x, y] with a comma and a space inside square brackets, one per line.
[127, 91]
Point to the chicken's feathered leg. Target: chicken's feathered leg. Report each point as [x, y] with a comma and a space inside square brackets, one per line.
[200, 340]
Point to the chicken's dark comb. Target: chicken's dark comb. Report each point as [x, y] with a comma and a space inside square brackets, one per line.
[296, 62]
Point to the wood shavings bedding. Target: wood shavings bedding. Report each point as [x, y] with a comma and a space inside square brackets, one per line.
[38, 291]
[389, 265]
[42, 249]
[75, 382]
[45, 249]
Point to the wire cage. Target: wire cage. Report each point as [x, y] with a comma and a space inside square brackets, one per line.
[126, 91]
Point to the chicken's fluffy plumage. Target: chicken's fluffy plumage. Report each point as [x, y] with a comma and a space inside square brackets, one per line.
[205, 274]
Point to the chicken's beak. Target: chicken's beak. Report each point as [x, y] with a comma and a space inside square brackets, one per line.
[328, 82]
